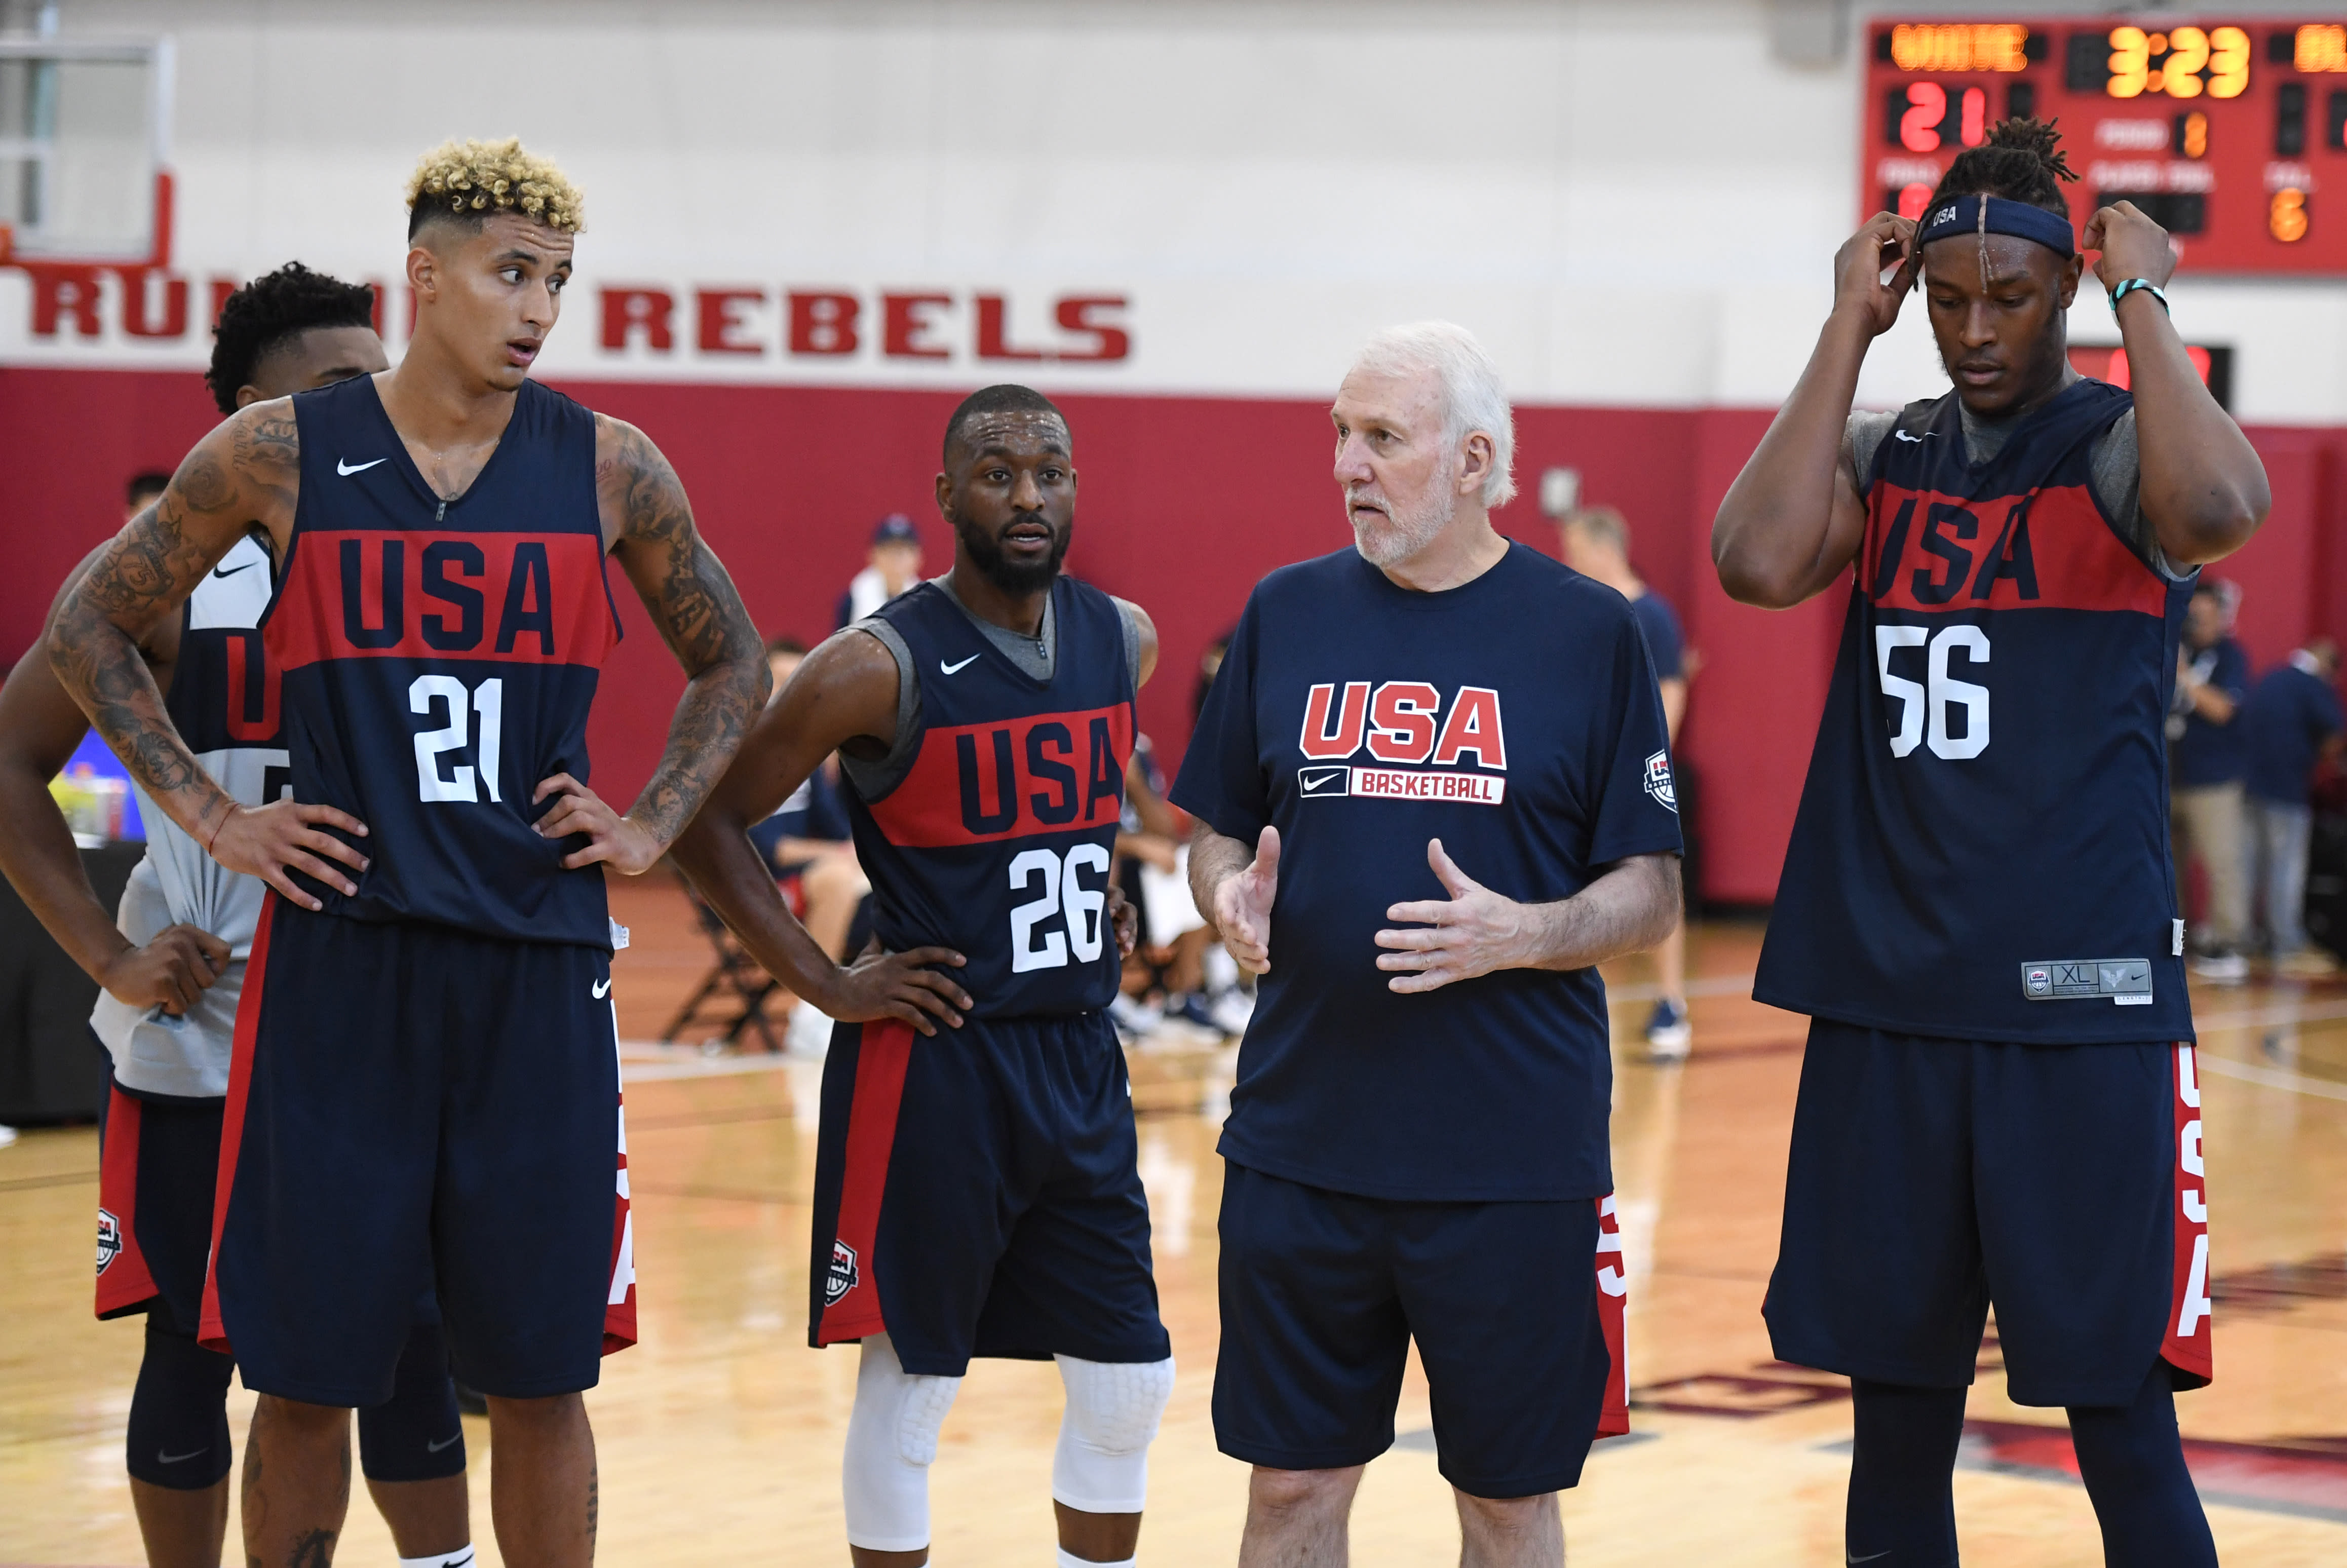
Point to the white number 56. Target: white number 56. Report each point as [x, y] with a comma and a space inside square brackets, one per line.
[1916, 698]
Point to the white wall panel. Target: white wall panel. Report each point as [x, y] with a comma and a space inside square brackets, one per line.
[1630, 198]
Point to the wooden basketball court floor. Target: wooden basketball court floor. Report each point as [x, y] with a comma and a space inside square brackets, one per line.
[720, 1434]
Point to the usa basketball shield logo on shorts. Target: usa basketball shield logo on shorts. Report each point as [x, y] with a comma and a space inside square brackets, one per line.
[109, 1239]
[842, 1276]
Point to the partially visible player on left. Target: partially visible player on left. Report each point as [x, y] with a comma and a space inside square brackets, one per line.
[171, 970]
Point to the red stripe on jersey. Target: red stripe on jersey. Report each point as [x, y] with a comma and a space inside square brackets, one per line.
[982, 784]
[2187, 1347]
[2052, 550]
[1613, 1299]
[532, 598]
[124, 1281]
[213, 1333]
[884, 1049]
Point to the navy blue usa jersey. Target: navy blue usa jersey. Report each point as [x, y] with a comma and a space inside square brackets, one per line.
[436, 661]
[1515, 718]
[996, 841]
[1981, 849]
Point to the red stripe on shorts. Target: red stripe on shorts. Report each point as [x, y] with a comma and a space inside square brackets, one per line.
[123, 1278]
[619, 1305]
[2187, 1347]
[213, 1334]
[851, 1299]
[1612, 1295]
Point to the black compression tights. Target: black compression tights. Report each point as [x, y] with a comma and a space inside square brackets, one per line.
[1902, 1507]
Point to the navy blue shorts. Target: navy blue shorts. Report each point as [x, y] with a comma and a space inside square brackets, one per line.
[158, 1159]
[1516, 1308]
[976, 1195]
[1931, 1178]
[411, 1105]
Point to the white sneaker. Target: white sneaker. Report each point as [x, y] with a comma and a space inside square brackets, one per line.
[2221, 967]
[807, 1035]
[1136, 1021]
[1232, 1011]
[7, 1136]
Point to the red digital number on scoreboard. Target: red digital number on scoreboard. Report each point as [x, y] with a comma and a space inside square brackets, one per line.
[2225, 131]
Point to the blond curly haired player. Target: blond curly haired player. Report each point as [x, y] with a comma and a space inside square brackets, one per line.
[425, 1084]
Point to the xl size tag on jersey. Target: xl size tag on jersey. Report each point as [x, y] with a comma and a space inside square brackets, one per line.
[2126, 981]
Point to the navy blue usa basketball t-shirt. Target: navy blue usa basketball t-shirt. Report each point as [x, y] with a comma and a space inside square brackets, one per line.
[1514, 717]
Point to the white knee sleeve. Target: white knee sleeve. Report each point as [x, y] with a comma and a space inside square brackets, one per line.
[1114, 1406]
[892, 1436]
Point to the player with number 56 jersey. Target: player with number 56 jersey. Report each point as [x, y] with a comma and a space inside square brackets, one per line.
[2000, 1104]
[976, 1191]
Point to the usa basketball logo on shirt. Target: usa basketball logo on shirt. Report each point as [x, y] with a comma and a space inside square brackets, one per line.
[109, 1239]
[1658, 779]
[1405, 724]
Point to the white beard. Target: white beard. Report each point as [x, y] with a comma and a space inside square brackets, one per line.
[1403, 534]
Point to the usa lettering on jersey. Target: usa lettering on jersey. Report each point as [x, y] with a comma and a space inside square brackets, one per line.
[1017, 778]
[1932, 552]
[524, 598]
[1405, 726]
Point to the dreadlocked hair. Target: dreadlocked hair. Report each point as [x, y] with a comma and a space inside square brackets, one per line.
[2022, 160]
[270, 311]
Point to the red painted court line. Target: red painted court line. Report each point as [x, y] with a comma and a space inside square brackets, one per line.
[2307, 1478]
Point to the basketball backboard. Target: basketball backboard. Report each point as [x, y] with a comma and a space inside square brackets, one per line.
[84, 129]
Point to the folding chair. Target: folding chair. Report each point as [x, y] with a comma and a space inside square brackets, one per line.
[733, 994]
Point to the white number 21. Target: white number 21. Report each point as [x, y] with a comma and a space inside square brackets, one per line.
[486, 702]
[1917, 699]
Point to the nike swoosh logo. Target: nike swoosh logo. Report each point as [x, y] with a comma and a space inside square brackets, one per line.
[163, 1458]
[601, 989]
[1903, 436]
[347, 469]
[965, 664]
[444, 1442]
[231, 571]
[1314, 781]
[1867, 1558]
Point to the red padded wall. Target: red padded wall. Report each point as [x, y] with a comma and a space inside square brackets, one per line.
[1185, 503]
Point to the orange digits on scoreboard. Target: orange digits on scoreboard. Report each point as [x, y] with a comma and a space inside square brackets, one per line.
[2286, 215]
[2130, 64]
[2228, 63]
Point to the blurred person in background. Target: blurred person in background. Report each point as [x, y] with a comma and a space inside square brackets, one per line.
[892, 566]
[2205, 761]
[144, 488]
[2290, 719]
[808, 843]
[1597, 545]
[1175, 951]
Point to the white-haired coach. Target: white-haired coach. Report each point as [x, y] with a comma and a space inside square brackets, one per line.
[1433, 789]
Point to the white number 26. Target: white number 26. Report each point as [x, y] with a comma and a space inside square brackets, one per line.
[1938, 691]
[1061, 894]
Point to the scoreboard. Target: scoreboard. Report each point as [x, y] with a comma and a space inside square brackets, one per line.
[2230, 133]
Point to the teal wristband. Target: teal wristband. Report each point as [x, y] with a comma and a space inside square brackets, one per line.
[2128, 287]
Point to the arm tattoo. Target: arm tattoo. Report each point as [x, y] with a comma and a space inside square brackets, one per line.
[701, 618]
[93, 639]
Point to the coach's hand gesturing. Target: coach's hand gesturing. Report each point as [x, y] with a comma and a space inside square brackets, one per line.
[1470, 933]
[1241, 905]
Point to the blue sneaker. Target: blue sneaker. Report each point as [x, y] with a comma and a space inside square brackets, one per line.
[1669, 1037]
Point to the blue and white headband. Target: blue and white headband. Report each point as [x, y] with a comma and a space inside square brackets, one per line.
[1986, 215]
